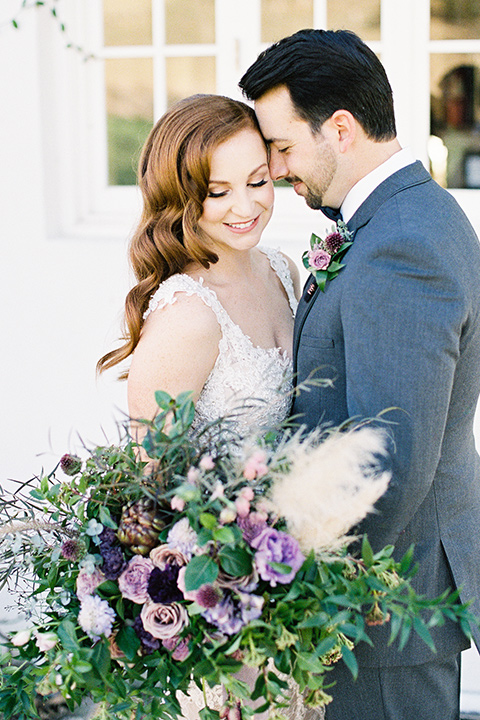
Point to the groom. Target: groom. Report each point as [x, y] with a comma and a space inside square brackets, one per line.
[399, 327]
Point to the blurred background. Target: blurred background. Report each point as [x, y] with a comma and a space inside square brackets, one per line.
[81, 83]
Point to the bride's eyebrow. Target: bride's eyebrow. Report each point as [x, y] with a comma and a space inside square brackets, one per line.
[226, 182]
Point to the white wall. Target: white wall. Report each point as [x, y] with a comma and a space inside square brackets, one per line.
[60, 301]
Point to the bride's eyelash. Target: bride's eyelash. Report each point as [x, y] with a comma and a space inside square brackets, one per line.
[222, 194]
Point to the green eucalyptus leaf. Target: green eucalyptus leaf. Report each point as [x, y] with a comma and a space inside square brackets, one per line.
[350, 660]
[201, 570]
[235, 561]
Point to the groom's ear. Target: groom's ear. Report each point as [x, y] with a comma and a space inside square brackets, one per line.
[342, 128]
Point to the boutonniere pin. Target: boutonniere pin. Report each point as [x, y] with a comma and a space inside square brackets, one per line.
[323, 259]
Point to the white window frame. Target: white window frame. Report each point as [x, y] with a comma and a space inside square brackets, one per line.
[78, 199]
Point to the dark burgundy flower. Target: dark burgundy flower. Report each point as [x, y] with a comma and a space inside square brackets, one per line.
[149, 643]
[113, 561]
[108, 537]
[70, 464]
[162, 584]
[70, 549]
[334, 242]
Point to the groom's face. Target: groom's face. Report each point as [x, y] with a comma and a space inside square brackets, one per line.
[297, 155]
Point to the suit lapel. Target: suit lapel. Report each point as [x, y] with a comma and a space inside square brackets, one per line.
[414, 174]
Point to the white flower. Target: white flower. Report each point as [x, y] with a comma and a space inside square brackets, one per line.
[330, 487]
[21, 638]
[45, 641]
[96, 617]
[183, 537]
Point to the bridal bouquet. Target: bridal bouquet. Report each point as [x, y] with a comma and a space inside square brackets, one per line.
[147, 574]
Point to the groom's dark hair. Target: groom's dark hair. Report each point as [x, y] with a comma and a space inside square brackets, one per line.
[325, 71]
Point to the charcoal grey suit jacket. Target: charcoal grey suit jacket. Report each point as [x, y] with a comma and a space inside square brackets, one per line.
[400, 327]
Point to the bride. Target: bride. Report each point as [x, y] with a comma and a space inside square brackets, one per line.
[211, 311]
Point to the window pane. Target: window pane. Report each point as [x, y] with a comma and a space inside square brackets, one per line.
[455, 19]
[284, 17]
[361, 17]
[129, 89]
[189, 22]
[455, 119]
[127, 22]
[188, 76]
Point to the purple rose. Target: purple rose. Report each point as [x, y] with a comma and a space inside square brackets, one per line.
[133, 582]
[277, 547]
[178, 646]
[318, 259]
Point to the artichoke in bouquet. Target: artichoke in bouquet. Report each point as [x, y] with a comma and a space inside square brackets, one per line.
[140, 525]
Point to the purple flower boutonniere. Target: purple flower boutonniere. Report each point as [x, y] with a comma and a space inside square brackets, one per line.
[323, 259]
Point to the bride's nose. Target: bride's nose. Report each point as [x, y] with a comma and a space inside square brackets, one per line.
[243, 204]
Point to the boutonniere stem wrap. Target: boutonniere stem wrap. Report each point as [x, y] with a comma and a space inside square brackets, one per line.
[323, 259]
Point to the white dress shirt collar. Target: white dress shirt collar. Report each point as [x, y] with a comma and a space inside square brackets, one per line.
[364, 187]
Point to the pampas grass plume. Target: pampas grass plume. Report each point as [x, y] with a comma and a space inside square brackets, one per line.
[330, 486]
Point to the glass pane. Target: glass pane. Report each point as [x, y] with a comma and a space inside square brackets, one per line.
[129, 89]
[284, 17]
[455, 119]
[361, 17]
[189, 75]
[127, 22]
[189, 22]
[454, 19]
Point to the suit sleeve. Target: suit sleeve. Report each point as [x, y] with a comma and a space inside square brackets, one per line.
[402, 323]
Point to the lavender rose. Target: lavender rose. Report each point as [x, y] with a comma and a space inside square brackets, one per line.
[133, 582]
[319, 259]
[164, 621]
[277, 547]
[178, 647]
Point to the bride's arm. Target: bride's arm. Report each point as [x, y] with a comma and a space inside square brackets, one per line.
[176, 353]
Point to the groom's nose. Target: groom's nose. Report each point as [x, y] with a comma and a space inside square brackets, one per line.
[277, 165]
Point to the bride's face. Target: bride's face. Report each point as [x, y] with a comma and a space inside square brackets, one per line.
[240, 196]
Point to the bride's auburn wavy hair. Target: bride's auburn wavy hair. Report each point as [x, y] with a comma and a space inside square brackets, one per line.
[173, 176]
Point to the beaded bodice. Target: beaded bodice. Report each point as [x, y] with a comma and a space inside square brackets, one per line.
[249, 384]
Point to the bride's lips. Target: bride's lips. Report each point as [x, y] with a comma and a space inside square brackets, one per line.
[243, 227]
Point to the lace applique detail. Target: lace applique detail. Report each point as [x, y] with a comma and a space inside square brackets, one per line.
[248, 383]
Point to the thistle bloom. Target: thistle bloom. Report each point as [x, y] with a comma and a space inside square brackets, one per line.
[70, 550]
[334, 242]
[70, 464]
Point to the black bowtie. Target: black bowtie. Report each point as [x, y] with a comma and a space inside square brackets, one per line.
[331, 213]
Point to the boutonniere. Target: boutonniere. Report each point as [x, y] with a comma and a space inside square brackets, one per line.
[323, 259]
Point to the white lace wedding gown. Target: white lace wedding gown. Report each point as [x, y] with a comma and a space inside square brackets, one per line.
[250, 384]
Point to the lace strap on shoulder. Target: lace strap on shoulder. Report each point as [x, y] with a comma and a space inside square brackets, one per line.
[168, 289]
[279, 264]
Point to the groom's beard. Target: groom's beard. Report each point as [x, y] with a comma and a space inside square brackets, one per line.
[317, 185]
